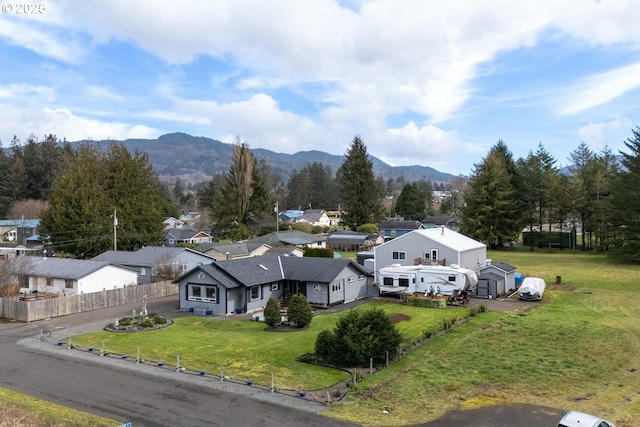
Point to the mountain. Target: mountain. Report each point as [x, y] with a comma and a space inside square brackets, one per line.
[196, 159]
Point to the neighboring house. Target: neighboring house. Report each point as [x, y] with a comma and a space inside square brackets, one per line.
[172, 222]
[22, 229]
[65, 276]
[315, 217]
[11, 235]
[246, 284]
[190, 218]
[153, 263]
[496, 279]
[225, 251]
[348, 241]
[437, 246]
[290, 238]
[397, 228]
[185, 235]
[290, 215]
[451, 222]
[143, 267]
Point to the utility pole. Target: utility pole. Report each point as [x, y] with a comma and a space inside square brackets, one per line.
[115, 234]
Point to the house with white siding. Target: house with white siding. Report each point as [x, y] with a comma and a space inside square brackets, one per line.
[64, 276]
[432, 246]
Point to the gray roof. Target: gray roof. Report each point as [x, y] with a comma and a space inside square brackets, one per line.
[288, 237]
[149, 255]
[272, 268]
[400, 225]
[323, 270]
[121, 257]
[350, 237]
[65, 268]
[508, 268]
[234, 249]
[183, 233]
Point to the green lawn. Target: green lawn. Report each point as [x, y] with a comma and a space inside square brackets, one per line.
[245, 351]
[580, 349]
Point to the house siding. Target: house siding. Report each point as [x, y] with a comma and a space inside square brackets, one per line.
[418, 245]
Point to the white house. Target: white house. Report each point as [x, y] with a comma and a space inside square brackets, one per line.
[432, 246]
[65, 276]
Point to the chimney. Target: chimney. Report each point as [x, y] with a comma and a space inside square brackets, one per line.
[442, 228]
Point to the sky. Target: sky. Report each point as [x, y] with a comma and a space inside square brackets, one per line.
[422, 82]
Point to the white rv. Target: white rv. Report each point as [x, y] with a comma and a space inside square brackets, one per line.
[428, 280]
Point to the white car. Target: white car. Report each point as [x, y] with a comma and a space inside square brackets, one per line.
[579, 419]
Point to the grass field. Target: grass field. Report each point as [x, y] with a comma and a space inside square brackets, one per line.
[580, 349]
[17, 409]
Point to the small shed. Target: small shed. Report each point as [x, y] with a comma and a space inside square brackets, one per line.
[490, 285]
[506, 271]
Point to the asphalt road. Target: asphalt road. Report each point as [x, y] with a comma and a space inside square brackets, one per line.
[152, 397]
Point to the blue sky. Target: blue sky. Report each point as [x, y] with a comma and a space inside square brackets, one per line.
[422, 82]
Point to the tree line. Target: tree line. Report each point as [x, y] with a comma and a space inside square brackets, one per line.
[598, 195]
[82, 191]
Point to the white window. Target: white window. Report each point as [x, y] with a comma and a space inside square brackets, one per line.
[351, 279]
[255, 292]
[275, 286]
[361, 277]
[399, 255]
[202, 293]
[434, 254]
[336, 287]
[142, 271]
[69, 284]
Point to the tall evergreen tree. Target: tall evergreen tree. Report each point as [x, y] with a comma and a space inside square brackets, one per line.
[626, 189]
[91, 189]
[581, 159]
[411, 202]
[487, 215]
[360, 202]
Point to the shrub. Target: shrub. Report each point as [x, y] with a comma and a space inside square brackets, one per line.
[318, 252]
[324, 341]
[358, 337]
[299, 312]
[272, 312]
[125, 321]
[368, 228]
[146, 323]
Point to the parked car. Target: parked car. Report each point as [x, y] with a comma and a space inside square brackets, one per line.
[580, 419]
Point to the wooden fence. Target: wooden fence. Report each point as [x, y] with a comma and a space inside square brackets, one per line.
[29, 311]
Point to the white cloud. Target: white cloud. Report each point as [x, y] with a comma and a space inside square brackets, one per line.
[22, 91]
[413, 145]
[64, 124]
[595, 134]
[600, 89]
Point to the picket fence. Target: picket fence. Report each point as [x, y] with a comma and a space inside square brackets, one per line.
[29, 311]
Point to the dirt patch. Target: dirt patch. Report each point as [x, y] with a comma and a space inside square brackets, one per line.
[285, 328]
[398, 317]
[504, 304]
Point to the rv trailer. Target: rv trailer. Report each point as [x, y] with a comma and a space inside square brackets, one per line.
[426, 280]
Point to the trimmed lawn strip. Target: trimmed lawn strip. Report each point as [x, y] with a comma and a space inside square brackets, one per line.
[20, 409]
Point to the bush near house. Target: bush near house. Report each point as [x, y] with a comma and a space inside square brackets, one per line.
[272, 313]
[299, 312]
